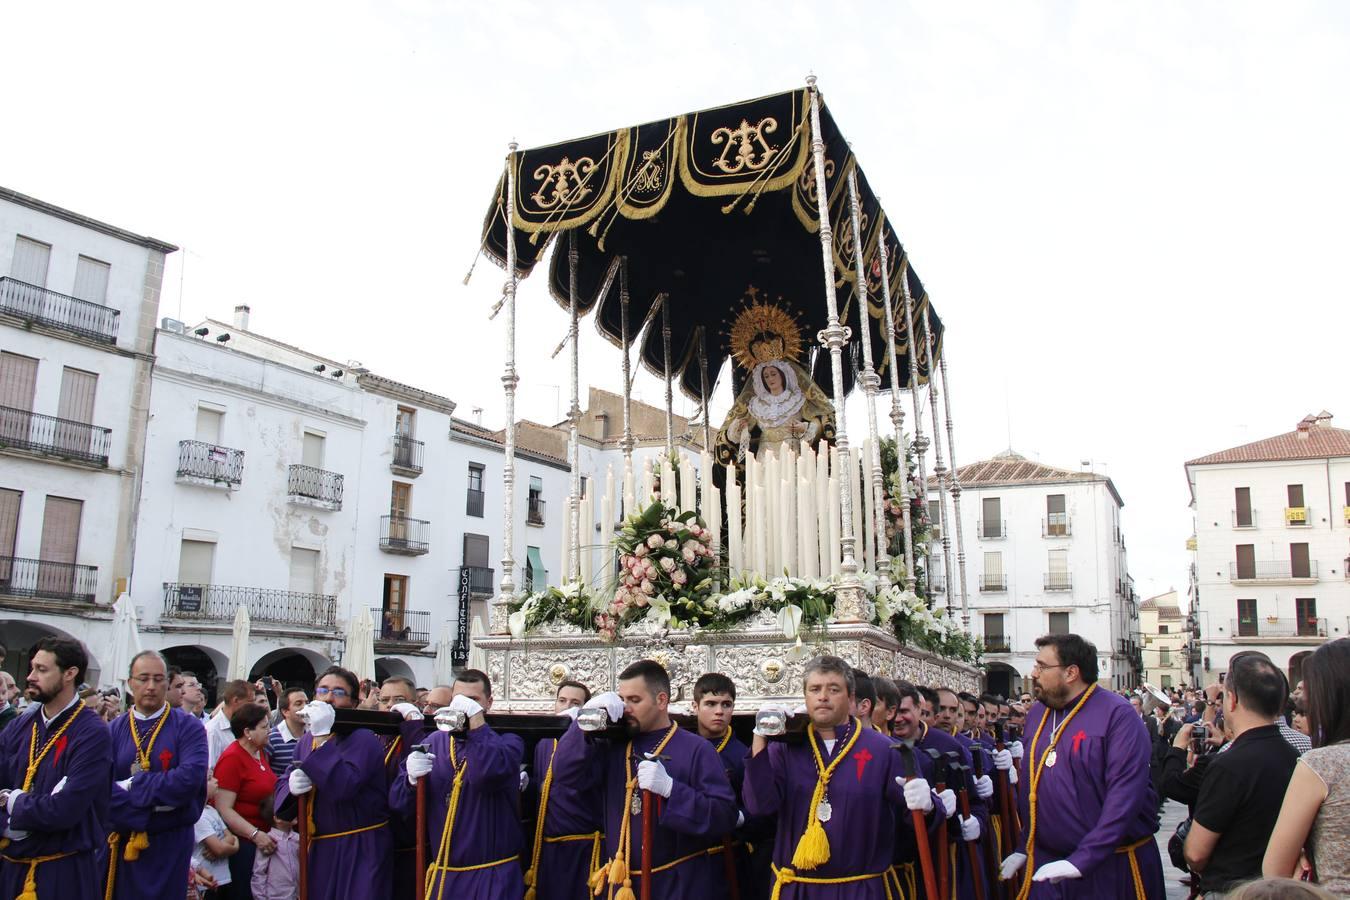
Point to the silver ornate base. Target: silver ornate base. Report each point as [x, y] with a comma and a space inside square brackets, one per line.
[525, 672]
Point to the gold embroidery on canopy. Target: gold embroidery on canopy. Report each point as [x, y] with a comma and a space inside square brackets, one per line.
[563, 183]
[746, 140]
[569, 194]
[773, 171]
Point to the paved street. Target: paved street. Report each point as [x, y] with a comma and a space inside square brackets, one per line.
[1172, 813]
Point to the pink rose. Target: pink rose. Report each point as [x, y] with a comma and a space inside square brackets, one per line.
[640, 602]
[648, 588]
[672, 544]
[654, 541]
[679, 578]
[695, 530]
[668, 564]
[640, 550]
[688, 555]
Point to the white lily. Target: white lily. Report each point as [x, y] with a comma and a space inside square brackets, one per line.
[790, 620]
[516, 623]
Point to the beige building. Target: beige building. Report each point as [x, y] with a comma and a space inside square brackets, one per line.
[1164, 632]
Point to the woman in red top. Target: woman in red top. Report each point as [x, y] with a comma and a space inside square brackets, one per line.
[244, 779]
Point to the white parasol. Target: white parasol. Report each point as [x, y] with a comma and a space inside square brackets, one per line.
[239, 643]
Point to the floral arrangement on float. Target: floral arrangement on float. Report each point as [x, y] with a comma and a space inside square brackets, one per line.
[671, 578]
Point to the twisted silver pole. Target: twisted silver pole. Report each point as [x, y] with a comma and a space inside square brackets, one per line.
[627, 442]
[574, 415]
[956, 498]
[920, 442]
[670, 395]
[897, 411]
[939, 467]
[510, 381]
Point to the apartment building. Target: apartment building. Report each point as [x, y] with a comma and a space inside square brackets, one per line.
[1164, 637]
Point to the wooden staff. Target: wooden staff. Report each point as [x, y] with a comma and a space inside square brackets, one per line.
[940, 785]
[421, 837]
[963, 798]
[729, 868]
[1005, 804]
[920, 828]
[992, 859]
[302, 813]
[648, 826]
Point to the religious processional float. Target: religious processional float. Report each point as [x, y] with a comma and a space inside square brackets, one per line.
[699, 238]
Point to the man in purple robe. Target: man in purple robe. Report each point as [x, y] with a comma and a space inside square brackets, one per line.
[51, 812]
[1088, 810]
[837, 796]
[396, 695]
[473, 801]
[568, 837]
[908, 728]
[964, 746]
[343, 780]
[159, 789]
[674, 769]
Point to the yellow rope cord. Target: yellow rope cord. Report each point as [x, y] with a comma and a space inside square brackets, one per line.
[726, 739]
[140, 840]
[1135, 873]
[393, 748]
[619, 870]
[1037, 768]
[113, 840]
[786, 875]
[32, 862]
[442, 863]
[813, 848]
[532, 874]
[338, 834]
[34, 758]
[488, 865]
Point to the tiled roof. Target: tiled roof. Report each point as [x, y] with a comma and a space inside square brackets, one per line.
[1313, 439]
[1012, 468]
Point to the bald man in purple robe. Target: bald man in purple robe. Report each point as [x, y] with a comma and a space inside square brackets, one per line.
[159, 788]
[343, 779]
[475, 846]
[52, 821]
[865, 798]
[1087, 765]
[680, 773]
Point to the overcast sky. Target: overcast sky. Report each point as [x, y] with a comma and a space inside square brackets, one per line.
[1132, 216]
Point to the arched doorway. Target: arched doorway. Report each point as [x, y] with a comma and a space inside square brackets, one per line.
[205, 663]
[292, 666]
[387, 666]
[1296, 667]
[1002, 679]
[19, 637]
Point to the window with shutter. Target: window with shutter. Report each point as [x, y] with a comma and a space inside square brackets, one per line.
[75, 409]
[60, 546]
[304, 570]
[1299, 564]
[1242, 513]
[18, 383]
[1059, 623]
[91, 280]
[10, 502]
[196, 561]
[1246, 561]
[31, 259]
[991, 523]
[311, 450]
[208, 425]
[1246, 623]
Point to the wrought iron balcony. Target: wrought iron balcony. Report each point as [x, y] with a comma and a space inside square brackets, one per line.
[1060, 581]
[474, 506]
[21, 429]
[537, 508]
[532, 580]
[991, 531]
[1056, 525]
[1273, 571]
[407, 456]
[482, 581]
[1272, 627]
[936, 585]
[39, 305]
[217, 603]
[996, 643]
[993, 583]
[42, 579]
[402, 626]
[405, 536]
[314, 487]
[203, 463]
[1245, 518]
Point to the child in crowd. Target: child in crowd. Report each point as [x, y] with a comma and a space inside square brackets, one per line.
[215, 844]
[277, 876]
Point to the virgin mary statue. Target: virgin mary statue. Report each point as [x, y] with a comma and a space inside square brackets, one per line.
[779, 402]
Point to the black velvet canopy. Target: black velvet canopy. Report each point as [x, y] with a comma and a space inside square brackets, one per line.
[711, 208]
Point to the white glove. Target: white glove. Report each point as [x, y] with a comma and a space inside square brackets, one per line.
[60, 785]
[1011, 866]
[918, 795]
[799, 709]
[1058, 870]
[1015, 748]
[124, 784]
[771, 707]
[571, 712]
[948, 798]
[1012, 776]
[12, 797]
[610, 702]
[524, 781]
[418, 765]
[652, 776]
[970, 829]
[984, 787]
[406, 710]
[298, 781]
[320, 718]
[15, 834]
[740, 818]
[1003, 759]
[467, 705]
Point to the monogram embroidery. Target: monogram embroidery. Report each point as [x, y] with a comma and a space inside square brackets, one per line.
[746, 140]
[567, 180]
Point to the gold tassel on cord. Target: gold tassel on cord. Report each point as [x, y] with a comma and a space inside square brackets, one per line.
[529, 880]
[598, 880]
[138, 841]
[813, 849]
[29, 884]
[626, 892]
[618, 869]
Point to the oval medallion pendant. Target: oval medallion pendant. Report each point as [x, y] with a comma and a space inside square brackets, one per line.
[824, 811]
[1050, 758]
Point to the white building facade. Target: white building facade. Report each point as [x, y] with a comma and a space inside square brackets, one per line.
[1271, 548]
[1164, 639]
[78, 300]
[1044, 554]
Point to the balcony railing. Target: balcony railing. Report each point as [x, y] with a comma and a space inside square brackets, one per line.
[400, 534]
[474, 506]
[1056, 525]
[1059, 581]
[37, 304]
[21, 429]
[1245, 518]
[315, 486]
[936, 585]
[532, 580]
[1279, 627]
[218, 602]
[1297, 516]
[1272, 571]
[535, 514]
[991, 531]
[993, 583]
[199, 461]
[407, 456]
[405, 626]
[996, 643]
[44, 580]
[482, 580]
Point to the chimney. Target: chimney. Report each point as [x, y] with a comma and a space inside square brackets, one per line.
[241, 316]
[477, 415]
[602, 419]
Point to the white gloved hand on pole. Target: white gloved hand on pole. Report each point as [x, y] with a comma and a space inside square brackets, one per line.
[299, 782]
[918, 794]
[1056, 871]
[406, 710]
[419, 765]
[652, 776]
[319, 715]
[1015, 748]
[1011, 866]
[970, 829]
[1003, 760]
[984, 787]
[610, 702]
[948, 798]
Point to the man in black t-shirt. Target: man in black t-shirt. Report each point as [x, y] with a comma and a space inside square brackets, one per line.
[1244, 786]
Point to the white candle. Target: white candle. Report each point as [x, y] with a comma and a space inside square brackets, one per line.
[566, 555]
[688, 500]
[836, 517]
[822, 505]
[587, 532]
[806, 538]
[705, 485]
[761, 566]
[648, 487]
[787, 530]
[629, 488]
[607, 531]
[855, 496]
[734, 549]
[668, 488]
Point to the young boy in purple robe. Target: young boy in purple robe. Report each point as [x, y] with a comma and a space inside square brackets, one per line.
[1088, 808]
[343, 779]
[51, 813]
[159, 787]
[837, 797]
[674, 769]
[567, 837]
[473, 801]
